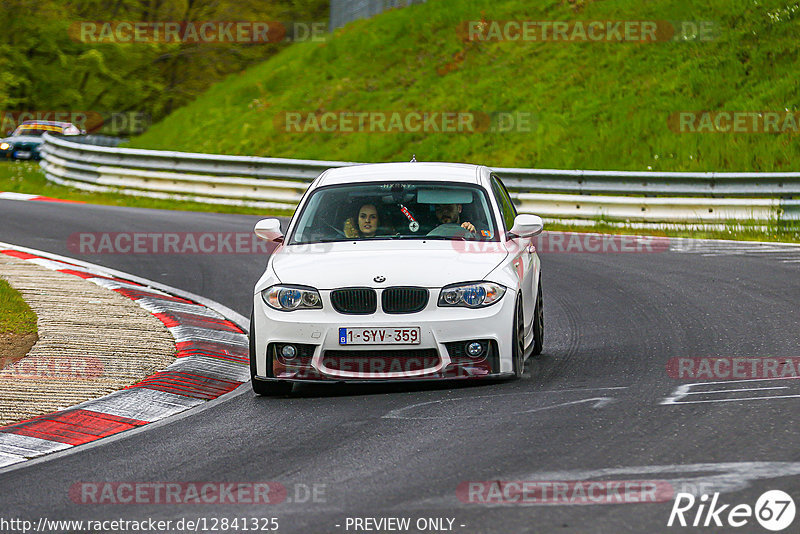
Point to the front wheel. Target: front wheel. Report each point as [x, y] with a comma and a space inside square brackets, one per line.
[538, 323]
[259, 387]
[518, 340]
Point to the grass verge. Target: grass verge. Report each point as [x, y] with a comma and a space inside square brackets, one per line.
[16, 317]
[586, 104]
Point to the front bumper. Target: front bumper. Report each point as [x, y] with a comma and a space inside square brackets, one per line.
[21, 152]
[439, 355]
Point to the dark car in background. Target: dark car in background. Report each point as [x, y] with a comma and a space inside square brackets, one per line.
[25, 140]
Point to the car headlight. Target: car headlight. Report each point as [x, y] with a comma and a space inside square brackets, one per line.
[290, 298]
[472, 295]
[4, 146]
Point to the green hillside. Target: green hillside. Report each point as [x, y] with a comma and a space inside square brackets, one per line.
[594, 105]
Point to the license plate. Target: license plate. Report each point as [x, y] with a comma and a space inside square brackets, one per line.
[22, 154]
[408, 335]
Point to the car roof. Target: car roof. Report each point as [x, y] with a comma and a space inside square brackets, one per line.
[46, 123]
[416, 171]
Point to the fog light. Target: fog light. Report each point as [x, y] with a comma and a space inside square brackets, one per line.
[474, 349]
[289, 352]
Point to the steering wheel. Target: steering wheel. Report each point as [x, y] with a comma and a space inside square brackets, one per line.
[339, 232]
[450, 230]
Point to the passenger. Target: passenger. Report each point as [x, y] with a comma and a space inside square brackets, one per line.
[367, 225]
[451, 214]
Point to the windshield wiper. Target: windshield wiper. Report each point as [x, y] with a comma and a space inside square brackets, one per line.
[445, 238]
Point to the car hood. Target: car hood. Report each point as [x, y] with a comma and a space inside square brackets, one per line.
[27, 139]
[412, 263]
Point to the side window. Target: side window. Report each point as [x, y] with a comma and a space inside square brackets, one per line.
[507, 208]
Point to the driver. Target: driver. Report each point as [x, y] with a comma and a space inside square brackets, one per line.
[365, 224]
[451, 214]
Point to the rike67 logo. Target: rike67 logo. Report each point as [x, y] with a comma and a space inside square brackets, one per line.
[774, 510]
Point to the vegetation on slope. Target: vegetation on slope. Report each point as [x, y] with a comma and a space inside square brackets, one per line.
[594, 105]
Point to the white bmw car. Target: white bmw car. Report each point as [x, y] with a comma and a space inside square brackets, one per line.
[397, 271]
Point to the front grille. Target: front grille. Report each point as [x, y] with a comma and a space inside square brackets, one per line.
[355, 300]
[404, 299]
[380, 361]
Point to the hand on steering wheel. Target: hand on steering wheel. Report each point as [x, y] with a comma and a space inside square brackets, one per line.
[451, 230]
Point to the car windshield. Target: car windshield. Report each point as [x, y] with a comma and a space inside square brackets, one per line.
[37, 130]
[395, 210]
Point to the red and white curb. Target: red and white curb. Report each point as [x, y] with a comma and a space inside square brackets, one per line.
[212, 359]
[9, 195]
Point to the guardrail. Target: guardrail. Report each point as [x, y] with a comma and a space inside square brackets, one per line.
[98, 139]
[278, 183]
[344, 11]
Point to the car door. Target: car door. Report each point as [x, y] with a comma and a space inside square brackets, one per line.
[522, 252]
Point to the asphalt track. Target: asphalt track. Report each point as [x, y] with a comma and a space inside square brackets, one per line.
[591, 407]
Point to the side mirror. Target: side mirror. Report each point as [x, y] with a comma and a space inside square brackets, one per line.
[268, 229]
[526, 225]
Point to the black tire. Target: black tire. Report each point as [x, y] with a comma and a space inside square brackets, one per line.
[538, 323]
[518, 340]
[260, 387]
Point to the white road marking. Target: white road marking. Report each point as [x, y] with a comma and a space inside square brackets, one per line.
[738, 399]
[684, 390]
[401, 413]
[732, 390]
[697, 479]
